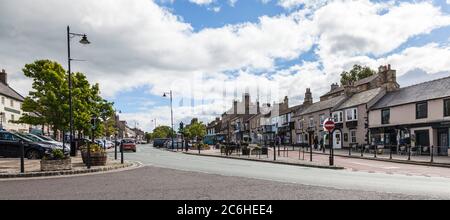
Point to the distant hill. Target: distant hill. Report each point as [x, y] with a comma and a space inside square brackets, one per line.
[418, 76]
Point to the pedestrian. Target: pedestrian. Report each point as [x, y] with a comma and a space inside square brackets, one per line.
[316, 142]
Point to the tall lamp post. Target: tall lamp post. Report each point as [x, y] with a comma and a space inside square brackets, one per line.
[171, 112]
[83, 40]
[135, 131]
[154, 121]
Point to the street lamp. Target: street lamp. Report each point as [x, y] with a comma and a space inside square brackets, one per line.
[84, 41]
[154, 121]
[135, 131]
[171, 112]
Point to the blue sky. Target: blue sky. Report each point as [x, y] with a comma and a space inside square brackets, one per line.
[208, 52]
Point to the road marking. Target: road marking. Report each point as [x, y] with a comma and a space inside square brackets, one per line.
[369, 165]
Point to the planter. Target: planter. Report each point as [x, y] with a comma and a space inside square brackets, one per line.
[97, 159]
[56, 165]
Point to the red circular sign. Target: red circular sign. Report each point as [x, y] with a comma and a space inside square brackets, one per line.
[329, 125]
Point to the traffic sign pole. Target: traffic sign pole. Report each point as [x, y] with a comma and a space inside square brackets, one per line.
[329, 125]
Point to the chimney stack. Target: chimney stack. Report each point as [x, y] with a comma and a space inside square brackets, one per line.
[308, 97]
[247, 103]
[4, 77]
[334, 86]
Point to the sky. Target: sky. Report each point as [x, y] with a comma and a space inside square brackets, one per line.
[209, 52]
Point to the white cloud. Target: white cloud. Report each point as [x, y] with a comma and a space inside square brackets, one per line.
[357, 27]
[202, 2]
[290, 4]
[138, 43]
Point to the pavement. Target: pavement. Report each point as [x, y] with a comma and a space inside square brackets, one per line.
[10, 168]
[348, 163]
[169, 175]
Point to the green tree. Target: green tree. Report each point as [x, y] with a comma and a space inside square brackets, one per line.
[195, 131]
[148, 136]
[358, 72]
[48, 101]
[48, 97]
[163, 132]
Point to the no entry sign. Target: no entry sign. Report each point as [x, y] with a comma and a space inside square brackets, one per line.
[329, 125]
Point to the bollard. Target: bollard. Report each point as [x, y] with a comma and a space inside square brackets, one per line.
[88, 162]
[198, 146]
[299, 153]
[115, 147]
[409, 153]
[350, 151]
[310, 154]
[432, 154]
[121, 152]
[390, 152]
[375, 148]
[22, 157]
[274, 153]
[362, 150]
[303, 153]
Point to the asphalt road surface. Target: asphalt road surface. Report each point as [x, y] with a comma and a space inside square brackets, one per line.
[168, 175]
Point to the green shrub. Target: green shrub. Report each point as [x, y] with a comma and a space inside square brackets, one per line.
[56, 154]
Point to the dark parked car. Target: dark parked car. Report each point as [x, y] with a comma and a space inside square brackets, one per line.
[160, 142]
[10, 146]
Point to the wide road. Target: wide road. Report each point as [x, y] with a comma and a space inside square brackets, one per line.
[168, 175]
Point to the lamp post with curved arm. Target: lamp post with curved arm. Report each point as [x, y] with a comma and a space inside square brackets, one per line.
[83, 40]
[171, 113]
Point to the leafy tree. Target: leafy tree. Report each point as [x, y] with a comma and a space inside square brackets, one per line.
[163, 132]
[48, 101]
[356, 73]
[148, 136]
[48, 97]
[196, 130]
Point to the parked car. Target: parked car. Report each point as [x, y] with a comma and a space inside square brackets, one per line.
[37, 138]
[160, 142]
[47, 138]
[128, 144]
[10, 146]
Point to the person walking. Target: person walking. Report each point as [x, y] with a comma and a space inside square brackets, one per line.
[316, 142]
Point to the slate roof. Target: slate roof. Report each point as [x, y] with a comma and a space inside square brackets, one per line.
[322, 105]
[9, 92]
[291, 109]
[360, 98]
[435, 89]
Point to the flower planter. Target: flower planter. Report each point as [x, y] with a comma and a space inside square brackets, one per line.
[97, 159]
[56, 165]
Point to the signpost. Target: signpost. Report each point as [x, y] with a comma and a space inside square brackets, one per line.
[329, 126]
